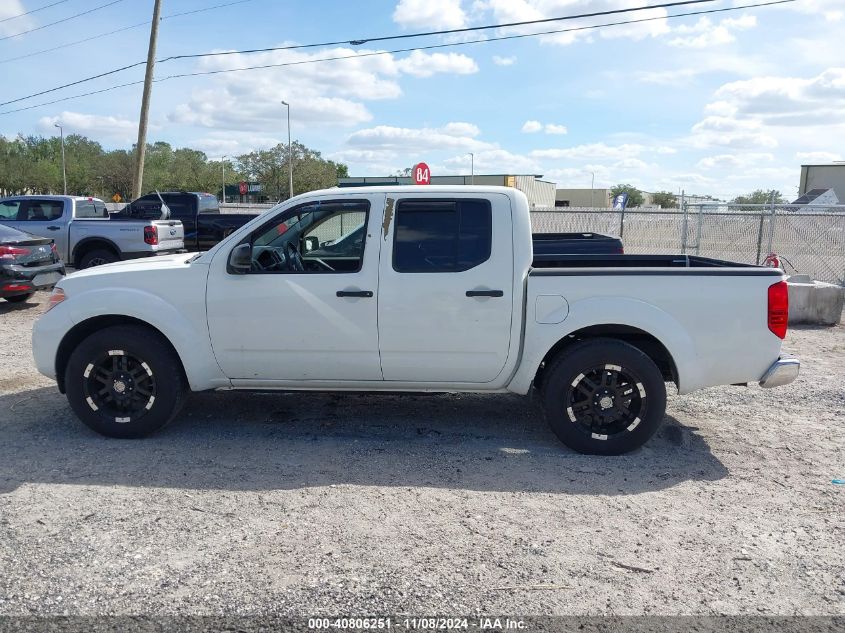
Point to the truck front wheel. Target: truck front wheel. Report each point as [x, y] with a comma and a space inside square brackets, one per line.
[97, 257]
[604, 397]
[125, 381]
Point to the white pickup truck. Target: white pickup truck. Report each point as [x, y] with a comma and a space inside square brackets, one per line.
[84, 233]
[441, 293]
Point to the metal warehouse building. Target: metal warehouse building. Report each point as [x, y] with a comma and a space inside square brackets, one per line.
[540, 193]
[829, 176]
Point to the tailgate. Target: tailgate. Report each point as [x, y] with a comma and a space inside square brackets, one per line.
[171, 235]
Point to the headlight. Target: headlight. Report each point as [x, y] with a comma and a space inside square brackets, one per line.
[56, 297]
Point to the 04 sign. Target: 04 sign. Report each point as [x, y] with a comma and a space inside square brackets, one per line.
[422, 174]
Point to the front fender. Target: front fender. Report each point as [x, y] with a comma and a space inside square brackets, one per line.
[186, 328]
[540, 338]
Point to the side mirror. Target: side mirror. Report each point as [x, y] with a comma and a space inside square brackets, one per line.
[240, 260]
[311, 243]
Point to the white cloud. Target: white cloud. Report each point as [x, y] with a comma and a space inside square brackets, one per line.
[530, 127]
[734, 161]
[422, 64]
[553, 128]
[504, 61]
[331, 94]
[93, 125]
[705, 33]
[495, 160]
[601, 151]
[437, 14]
[818, 157]
[730, 132]
[9, 9]
[452, 136]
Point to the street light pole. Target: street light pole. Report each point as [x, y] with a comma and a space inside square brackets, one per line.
[471, 168]
[290, 153]
[64, 171]
[592, 188]
[223, 165]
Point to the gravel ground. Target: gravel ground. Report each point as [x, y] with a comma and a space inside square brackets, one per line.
[353, 504]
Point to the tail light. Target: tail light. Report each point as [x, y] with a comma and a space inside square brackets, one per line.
[151, 235]
[13, 252]
[778, 313]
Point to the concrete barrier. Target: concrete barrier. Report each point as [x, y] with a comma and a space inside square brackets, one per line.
[814, 302]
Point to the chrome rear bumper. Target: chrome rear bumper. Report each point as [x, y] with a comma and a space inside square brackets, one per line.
[782, 372]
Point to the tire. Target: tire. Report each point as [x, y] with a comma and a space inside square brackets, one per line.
[125, 381]
[19, 298]
[97, 257]
[604, 397]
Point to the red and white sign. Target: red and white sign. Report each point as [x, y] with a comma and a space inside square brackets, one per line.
[242, 188]
[422, 174]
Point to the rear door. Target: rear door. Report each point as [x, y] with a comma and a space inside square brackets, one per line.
[47, 218]
[446, 288]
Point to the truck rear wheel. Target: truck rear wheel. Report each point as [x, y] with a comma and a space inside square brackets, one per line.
[604, 397]
[125, 381]
[97, 257]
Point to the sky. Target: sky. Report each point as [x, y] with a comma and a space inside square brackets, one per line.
[718, 104]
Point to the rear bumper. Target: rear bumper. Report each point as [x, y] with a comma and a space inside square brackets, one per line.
[17, 280]
[782, 372]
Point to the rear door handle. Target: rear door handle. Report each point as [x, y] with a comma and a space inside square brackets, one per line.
[355, 293]
[485, 293]
[53, 228]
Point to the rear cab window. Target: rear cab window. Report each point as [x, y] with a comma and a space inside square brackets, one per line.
[208, 203]
[91, 209]
[438, 236]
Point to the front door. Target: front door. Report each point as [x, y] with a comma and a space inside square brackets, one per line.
[446, 289]
[307, 310]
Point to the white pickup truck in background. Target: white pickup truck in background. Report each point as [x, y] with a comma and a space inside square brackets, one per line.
[83, 232]
[440, 293]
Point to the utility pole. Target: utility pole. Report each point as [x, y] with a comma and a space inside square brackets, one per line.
[290, 153]
[223, 164]
[145, 103]
[64, 171]
[471, 168]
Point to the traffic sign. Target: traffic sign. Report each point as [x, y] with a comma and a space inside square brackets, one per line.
[116, 198]
[242, 188]
[422, 174]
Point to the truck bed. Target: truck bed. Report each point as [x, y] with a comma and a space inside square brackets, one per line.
[551, 264]
[575, 243]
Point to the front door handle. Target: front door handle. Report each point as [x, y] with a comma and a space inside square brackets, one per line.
[485, 293]
[53, 228]
[355, 293]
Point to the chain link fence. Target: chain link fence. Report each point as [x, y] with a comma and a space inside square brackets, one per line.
[809, 239]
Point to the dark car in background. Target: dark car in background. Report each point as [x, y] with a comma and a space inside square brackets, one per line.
[27, 263]
[199, 213]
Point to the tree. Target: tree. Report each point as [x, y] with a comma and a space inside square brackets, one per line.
[635, 196]
[665, 199]
[761, 196]
[33, 164]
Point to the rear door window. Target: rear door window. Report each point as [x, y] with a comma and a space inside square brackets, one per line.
[434, 236]
[41, 210]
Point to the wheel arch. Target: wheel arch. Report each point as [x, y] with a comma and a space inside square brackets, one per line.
[84, 329]
[647, 343]
[89, 244]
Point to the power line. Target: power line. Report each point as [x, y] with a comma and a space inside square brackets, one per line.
[91, 38]
[405, 50]
[480, 41]
[359, 42]
[20, 15]
[356, 42]
[67, 19]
